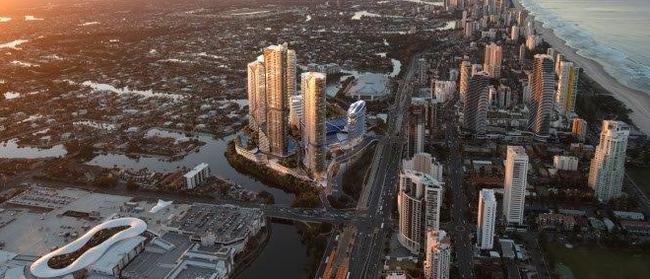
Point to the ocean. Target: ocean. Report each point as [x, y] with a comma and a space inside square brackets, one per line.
[614, 33]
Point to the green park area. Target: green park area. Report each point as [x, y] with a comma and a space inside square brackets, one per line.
[595, 263]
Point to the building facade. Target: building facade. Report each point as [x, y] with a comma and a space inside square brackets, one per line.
[280, 81]
[516, 179]
[542, 89]
[607, 168]
[492, 60]
[416, 189]
[256, 93]
[295, 112]
[313, 91]
[476, 106]
[579, 129]
[424, 163]
[356, 125]
[486, 221]
[437, 255]
[567, 88]
[465, 74]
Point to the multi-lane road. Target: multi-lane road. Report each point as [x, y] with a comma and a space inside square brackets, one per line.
[462, 242]
[372, 230]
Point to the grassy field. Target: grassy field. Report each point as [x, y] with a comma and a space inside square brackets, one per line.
[595, 263]
[641, 177]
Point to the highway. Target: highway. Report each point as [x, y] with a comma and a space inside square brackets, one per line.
[376, 205]
[461, 241]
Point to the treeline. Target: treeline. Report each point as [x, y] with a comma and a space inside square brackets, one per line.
[306, 195]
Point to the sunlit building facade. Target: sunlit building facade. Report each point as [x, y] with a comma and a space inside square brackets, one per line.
[313, 91]
[516, 179]
[356, 123]
[486, 221]
[607, 168]
[280, 78]
[567, 88]
[542, 89]
[437, 255]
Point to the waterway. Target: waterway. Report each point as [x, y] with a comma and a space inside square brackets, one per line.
[10, 150]
[284, 256]
[212, 153]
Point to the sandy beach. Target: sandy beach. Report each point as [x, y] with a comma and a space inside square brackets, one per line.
[637, 101]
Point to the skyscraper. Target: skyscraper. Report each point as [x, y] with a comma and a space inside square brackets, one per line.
[492, 61]
[416, 129]
[516, 178]
[514, 33]
[543, 90]
[416, 189]
[437, 255]
[423, 68]
[476, 105]
[280, 82]
[608, 165]
[256, 93]
[487, 213]
[313, 90]
[567, 88]
[465, 74]
[356, 125]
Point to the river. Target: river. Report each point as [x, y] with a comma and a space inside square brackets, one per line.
[212, 153]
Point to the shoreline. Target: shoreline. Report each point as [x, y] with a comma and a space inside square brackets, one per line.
[635, 100]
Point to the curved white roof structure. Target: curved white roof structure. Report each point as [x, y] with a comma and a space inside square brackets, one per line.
[41, 269]
[357, 107]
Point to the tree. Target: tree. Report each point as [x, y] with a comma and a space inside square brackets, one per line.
[106, 181]
[131, 185]
[306, 200]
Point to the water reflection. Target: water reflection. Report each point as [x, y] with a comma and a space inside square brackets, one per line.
[212, 153]
[285, 256]
[11, 150]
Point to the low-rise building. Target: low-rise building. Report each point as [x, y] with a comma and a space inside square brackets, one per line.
[556, 221]
[197, 175]
[567, 163]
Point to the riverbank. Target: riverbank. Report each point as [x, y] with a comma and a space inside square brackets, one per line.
[635, 100]
[305, 194]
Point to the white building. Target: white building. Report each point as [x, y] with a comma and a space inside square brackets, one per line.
[197, 175]
[356, 125]
[443, 90]
[486, 221]
[567, 163]
[419, 200]
[424, 163]
[438, 255]
[515, 185]
[608, 165]
[295, 111]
